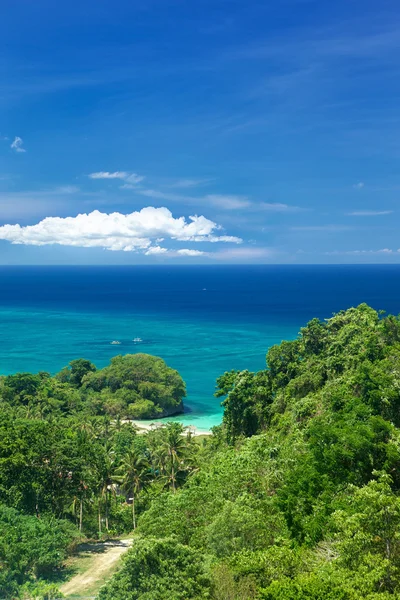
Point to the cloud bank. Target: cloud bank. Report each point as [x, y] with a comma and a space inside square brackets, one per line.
[133, 232]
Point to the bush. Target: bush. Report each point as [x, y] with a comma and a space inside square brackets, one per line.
[159, 570]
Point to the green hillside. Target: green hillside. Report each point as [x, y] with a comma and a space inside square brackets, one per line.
[295, 496]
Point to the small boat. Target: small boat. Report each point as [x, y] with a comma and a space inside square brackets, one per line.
[137, 340]
[115, 343]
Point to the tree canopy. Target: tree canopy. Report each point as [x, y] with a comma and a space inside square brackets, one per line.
[132, 386]
[296, 495]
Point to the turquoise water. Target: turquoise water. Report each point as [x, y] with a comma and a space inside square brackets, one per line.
[201, 321]
[35, 340]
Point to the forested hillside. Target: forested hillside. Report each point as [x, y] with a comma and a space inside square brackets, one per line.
[295, 495]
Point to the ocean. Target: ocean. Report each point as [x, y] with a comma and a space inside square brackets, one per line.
[202, 320]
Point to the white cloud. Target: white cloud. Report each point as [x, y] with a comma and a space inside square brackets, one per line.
[107, 175]
[188, 252]
[134, 178]
[231, 255]
[131, 178]
[219, 238]
[115, 231]
[357, 252]
[369, 213]
[382, 251]
[17, 144]
[359, 185]
[156, 250]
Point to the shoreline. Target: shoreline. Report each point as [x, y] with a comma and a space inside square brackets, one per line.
[151, 425]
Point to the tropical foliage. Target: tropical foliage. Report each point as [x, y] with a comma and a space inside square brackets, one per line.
[160, 569]
[133, 386]
[296, 495]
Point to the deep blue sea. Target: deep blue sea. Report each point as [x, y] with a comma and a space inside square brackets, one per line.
[202, 320]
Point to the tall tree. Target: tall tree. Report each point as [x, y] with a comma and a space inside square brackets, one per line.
[133, 474]
[172, 448]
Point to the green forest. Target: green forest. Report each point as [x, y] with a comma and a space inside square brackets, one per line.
[296, 495]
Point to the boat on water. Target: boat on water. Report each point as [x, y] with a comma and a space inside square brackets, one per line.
[137, 340]
[115, 343]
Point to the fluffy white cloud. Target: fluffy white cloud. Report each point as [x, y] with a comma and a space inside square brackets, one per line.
[17, 144]
[131, 178]
[188, 252]
[156, 250]
[116, 231]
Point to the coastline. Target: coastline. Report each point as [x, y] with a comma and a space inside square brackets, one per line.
[143, 426]
[73, 314]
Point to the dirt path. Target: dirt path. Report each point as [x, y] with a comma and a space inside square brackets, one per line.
[103, 560]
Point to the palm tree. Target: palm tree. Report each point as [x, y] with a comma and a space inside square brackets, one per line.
[175, 453]
[116, 425]
[105, 482]
[132, 475]
[102, 427]
[76, 507]
[86, 427]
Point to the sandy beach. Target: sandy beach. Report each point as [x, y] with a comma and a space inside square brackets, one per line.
[150, 425]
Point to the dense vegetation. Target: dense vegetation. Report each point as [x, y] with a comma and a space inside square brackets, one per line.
[296, 495]
[62, 479]
[133, 386]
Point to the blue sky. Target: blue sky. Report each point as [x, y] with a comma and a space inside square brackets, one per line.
[274, 125]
